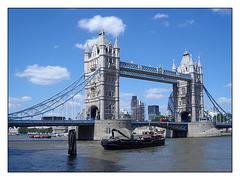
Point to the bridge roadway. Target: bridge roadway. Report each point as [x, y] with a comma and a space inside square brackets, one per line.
[31, 123]
[39, 123]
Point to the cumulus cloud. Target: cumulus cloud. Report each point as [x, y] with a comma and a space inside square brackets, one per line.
[125, 100]
[228, 85]
[125, 95]
[90, 43]
[22, 99]
[112, 25]
[156, 93]
[126, 105]
[222, 11]
[159, 16]
[41, 75]
[187, 23]
[15, 102]
[78, 97]
[223, 100]
[166, 23]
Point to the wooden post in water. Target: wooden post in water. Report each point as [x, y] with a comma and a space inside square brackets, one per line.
[72, 148]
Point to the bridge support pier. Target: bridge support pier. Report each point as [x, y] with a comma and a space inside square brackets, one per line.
[101, 128]
[85, 132]
[175, 134]
[202, 129]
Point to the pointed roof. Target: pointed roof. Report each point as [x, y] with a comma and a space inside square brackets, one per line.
[191, 61]
[87, 49]
[174, 66]
[116, 43]
[186, 61]
[185, 53]
[102, 40]
[199, 63]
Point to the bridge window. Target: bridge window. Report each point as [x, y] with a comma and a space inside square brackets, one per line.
[183, 90]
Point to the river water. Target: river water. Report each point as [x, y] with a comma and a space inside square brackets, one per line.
[177, 155]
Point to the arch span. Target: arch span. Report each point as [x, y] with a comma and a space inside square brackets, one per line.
[185, 116]
[95, 114]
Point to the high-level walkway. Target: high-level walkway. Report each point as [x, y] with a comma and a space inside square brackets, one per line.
[153, 74]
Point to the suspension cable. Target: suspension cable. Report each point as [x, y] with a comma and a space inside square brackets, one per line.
[56, 100]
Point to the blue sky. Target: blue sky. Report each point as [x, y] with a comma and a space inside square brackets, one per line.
[46, 50]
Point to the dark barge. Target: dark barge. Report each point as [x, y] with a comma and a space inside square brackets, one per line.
[148, 139]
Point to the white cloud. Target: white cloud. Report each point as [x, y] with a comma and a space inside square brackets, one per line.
[126, 105]
[156, 93]
[125, 95]
[22, 99]
[159, 16]
[14, 102]
[228, 85]
[222, 11]
[56, 46]
[78, 97]
[166, 23]
[223, 100]
[125, 100]
[90, 43]
[71, 104]
[187, 23]
[111, 25]
[41, 75]
[14, 105]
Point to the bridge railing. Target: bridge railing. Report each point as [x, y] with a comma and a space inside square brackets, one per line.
[131, 66]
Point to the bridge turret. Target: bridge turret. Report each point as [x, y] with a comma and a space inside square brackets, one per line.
[87, 53]
[102, 94]
[174, 69]
[199, 65]
[188, 95]
[117, 54]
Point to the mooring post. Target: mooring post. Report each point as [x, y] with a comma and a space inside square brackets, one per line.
[72, 148]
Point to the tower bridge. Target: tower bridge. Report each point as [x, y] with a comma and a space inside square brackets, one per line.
[102, 70]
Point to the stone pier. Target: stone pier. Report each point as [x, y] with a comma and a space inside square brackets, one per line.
[102, 128]
[202, 129]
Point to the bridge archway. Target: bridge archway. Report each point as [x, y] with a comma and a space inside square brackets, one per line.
[185, 116]
[95, 114]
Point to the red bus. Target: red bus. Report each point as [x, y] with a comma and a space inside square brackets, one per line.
[163, 119]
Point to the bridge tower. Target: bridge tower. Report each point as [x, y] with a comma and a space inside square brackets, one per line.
[102, 93]
[188, 95]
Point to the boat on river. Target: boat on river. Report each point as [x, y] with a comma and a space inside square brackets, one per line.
[147, 139]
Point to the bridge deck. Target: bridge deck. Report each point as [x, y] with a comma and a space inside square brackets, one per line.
[180, 126]
[31, 123]
[150, 73]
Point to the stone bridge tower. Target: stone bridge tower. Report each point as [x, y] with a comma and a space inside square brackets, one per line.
[102, 93]
[188, 95]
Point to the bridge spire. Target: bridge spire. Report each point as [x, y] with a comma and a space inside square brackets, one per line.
[186, 53]
[174, 69]
[87, 49]
[116, 43]
[199, 63]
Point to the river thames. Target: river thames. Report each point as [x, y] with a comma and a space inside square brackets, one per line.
[177, 155]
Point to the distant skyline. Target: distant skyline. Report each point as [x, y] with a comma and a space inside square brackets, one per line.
[46, 50]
